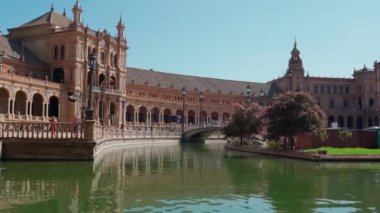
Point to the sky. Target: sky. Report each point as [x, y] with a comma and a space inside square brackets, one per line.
[245, 40]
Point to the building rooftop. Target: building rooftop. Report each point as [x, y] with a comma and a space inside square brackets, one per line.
[213, 85]
[50, 17]
[15, 50]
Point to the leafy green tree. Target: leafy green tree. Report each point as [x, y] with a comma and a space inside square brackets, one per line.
[245, 122]
[292, 114]
[345, 136]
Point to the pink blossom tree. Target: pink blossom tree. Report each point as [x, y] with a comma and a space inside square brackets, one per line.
[293, 114]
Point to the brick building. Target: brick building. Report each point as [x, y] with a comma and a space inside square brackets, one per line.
[45, 60]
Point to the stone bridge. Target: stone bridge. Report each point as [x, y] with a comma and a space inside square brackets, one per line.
[200, 134]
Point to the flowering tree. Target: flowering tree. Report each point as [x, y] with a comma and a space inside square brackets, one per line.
[294, 113]
[245, 122]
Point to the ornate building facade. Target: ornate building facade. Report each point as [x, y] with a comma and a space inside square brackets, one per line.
[44, 72]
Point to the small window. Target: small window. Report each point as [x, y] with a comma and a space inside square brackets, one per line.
[328, 89]
[56, 53]
[62, 52]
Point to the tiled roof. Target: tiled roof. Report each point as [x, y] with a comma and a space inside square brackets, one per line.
[169, 80]
[13, 50]
[50, 17]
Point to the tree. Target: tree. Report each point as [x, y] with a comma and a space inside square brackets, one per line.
[291, 114]
[345, 136]
[245, 122]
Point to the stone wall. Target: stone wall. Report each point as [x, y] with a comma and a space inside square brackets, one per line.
[360, 138]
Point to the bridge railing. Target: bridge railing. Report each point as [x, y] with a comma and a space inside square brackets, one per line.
[41, 130]
[169, 131]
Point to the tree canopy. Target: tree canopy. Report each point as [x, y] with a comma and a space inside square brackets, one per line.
[245, 122]
[291, 114]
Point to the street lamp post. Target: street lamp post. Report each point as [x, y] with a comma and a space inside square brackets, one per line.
[290, 81]
[90, 110]
[248, 91]
[261, 96]
[102, 90]
[183, 109]
[201, 99]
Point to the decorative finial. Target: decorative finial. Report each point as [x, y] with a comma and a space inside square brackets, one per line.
[295, 42]
[52, 7]
[64, 12]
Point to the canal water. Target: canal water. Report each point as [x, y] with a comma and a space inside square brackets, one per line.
[188, 178]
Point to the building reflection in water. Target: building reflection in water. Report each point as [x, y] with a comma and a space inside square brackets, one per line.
[184, 177]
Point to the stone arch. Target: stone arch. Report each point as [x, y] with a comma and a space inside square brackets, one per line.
[53, 106]
[203, 117]
[167, 115]
[130, 112]
[102, 79]
[155, 115]
[191, 117]
[20, 102]
[214, 117]
[369, 122]
[226, 116]
[37, 104]
[4, 100]
[340, 121]
[142, 114]
[359, 122]
[179, 114]
[350, 122]
[112, 82]
[330, 119]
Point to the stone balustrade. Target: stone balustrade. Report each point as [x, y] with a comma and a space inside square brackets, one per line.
[40, 130]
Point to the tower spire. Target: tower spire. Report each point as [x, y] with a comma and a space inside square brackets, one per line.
[52, 7]
[77, 11]
[120, 28]
[295, 42]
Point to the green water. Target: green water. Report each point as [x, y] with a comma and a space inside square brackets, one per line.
[191, 178]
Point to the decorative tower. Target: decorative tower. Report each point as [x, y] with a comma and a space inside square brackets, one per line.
[295, 72]
[77, 11]
[120, 29]
[295, 62]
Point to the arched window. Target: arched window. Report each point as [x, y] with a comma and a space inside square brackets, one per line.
[56, 53]
[62, 52]
[371, 103]
[360, 105]
[115, 61]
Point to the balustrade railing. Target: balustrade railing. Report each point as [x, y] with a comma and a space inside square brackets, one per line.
[41, 130]
[67, 130]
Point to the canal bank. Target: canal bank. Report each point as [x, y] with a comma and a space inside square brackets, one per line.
[294, 154]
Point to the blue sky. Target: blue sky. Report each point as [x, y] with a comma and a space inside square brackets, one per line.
[246, 40]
